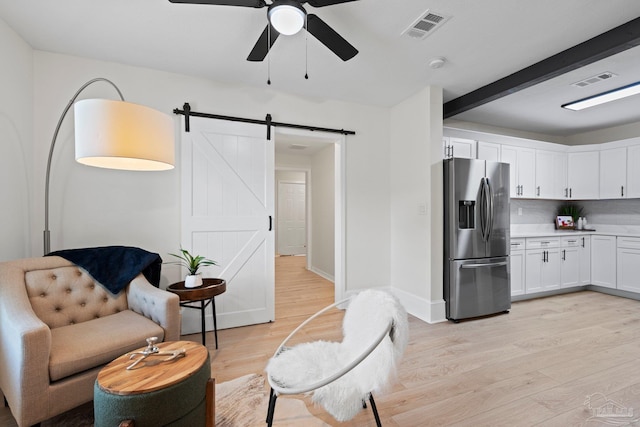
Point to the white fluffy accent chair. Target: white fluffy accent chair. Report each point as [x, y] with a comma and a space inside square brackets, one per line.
[343, 375]
[58, 327]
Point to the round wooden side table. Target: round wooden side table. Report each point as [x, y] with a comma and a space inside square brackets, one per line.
[204, 295]
[156, 392]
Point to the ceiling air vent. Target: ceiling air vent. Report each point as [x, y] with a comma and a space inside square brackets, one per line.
[425, 25]
[298, 146]
[594, 79]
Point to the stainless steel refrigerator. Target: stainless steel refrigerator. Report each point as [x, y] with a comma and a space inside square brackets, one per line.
[476, 238]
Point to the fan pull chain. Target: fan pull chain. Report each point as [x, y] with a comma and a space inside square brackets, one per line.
[268, 56]
[306, 47]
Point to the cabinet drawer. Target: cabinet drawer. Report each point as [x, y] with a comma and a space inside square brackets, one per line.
[629, 242]
[570, 242]
[543, 243]
[517, 244]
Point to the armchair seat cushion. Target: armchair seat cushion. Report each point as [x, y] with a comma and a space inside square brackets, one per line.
[81, 346]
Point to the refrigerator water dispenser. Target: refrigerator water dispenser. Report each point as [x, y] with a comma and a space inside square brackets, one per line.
[466, 214]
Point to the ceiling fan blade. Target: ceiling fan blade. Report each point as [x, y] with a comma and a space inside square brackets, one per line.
[260, 49]
[321, 3]
[244, 3]
[327, 35]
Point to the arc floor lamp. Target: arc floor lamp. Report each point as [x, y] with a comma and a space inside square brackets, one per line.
[114, 135]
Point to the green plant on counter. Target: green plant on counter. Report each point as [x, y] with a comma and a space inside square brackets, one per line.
[573, 210]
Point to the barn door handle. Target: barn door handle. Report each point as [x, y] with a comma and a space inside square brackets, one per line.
[270, 223]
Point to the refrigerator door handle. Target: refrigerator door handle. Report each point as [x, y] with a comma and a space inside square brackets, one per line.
[483, 211]
[486, 264]
[489, 196]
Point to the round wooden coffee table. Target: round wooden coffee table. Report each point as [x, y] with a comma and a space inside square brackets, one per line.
[205, 295]
[155, 392]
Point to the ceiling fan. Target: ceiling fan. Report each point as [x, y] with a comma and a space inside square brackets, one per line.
[288, 17]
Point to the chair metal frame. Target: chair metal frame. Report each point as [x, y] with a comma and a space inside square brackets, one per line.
[277, 390]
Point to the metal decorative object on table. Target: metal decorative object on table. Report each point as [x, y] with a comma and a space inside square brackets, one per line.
[153, 350]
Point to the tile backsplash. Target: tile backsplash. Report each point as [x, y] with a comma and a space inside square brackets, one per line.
[534, 211]
[610, 212]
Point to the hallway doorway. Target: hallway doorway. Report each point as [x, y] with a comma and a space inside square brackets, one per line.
[309, 202]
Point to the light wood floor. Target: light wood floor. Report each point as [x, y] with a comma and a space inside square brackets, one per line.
[534, 366]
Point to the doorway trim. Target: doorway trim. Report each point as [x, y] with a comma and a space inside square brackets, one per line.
[339, 141]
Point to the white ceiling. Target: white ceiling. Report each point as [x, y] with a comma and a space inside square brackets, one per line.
[482, 42]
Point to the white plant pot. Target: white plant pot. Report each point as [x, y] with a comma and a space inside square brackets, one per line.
[193, 281]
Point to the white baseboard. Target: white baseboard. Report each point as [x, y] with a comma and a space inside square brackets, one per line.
[422, 308]
[322, 274]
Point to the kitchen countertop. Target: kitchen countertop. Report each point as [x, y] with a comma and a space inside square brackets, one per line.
[544, 230]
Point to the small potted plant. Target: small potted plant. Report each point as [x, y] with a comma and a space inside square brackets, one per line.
[192, 264]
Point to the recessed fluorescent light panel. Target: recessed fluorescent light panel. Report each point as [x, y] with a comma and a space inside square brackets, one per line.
[612, 95]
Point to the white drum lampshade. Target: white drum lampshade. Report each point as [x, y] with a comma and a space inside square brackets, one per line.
[122, 135]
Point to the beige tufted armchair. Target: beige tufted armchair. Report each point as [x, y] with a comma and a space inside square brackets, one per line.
[58, 328]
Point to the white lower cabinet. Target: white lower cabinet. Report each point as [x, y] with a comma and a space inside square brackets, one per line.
[628, 264]
[584, 260]
[543, 265]
[517, 259]
[603, 261]
[540, 264]
[570, 270]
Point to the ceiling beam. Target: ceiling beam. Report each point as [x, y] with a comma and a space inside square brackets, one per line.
[617, 40]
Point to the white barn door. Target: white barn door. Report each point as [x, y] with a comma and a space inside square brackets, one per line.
[227, 215]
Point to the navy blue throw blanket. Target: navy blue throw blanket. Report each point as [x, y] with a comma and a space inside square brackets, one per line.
[115, 266]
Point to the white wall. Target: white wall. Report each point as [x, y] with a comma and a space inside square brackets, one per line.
[16, 143]
[615, 133]
[323, 212]
[289, 175]
[495, 130]
[92, 206]
[416, 205]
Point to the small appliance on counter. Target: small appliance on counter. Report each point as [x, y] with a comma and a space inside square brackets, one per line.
[565, 222]
[476, 238]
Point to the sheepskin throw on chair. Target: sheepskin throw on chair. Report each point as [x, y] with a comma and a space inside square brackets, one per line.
[369, 314]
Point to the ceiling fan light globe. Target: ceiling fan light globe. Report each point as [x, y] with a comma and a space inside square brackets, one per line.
[287, 19]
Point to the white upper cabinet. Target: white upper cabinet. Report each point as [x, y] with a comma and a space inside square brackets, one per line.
[522, 172]
[551, 174]
[633, 172]
[458, 147]
[583, 175]
[544, 170]
[613, 173]
[488, 151]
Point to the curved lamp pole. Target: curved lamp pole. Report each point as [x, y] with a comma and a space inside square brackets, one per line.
[47, 233]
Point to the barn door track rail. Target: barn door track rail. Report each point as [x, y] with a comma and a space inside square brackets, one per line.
[186, 112]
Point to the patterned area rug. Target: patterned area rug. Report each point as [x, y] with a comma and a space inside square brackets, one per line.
[239, 403]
